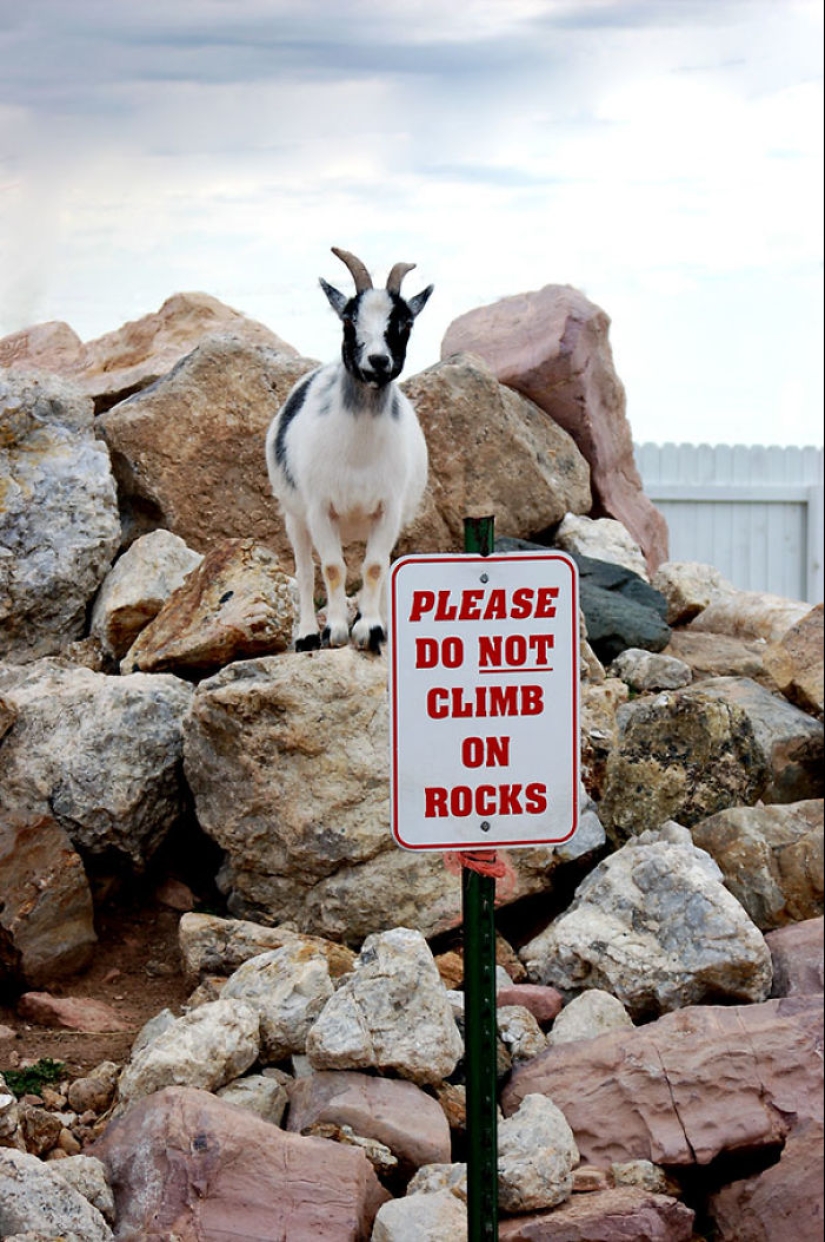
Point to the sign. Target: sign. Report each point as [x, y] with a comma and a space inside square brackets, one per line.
[484, 679]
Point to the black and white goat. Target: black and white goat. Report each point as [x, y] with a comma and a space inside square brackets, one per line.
[347, 459]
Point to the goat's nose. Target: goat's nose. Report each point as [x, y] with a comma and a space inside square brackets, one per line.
[379, 362]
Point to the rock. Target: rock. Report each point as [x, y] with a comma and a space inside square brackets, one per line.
[396, 1113]
[552, 346]
[797, 956]
[184, 1163]
[392, 1013]
[491, 451]
[35, 1198]
[639, 1173]
[10, 1135]
[265, 1096]
[435, 1217]
[749, 614]
[137, 587]
[795, 662]
[39, 1128]
[792, 742]
[87, 1175]
[45, 900]
[771, 858]
[622, 1214]
[682, 1090]
[59, 527]
[94, 1092]
[302, 812]
[543, 1003]
[682, 755]
[236, 604]
[520, 1033]
[536, 1156]
[620, 609]
[644, 672]
[206, 1048]
[688, 587]
[599, 730]
[654, 925]
[782, 1202]
[587, 1016]
[601, 539]
[288, 987]
[101, 754]
[72, 1013]
[215, 946]
[719, 655]
[181, 448]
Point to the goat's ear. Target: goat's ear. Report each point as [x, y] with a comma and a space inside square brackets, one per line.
[335, 298]
[417, 303]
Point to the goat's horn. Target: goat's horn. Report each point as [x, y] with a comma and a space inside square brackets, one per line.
[359, 273]
[397, 275]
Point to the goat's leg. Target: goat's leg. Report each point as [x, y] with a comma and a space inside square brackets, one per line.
[327, 539]
[369, 631]
[308, 638]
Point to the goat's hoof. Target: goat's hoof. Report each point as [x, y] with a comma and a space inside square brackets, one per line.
[335, 636]
[309, 642]
[368, 637]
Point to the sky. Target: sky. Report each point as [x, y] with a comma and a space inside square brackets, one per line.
[662, 156]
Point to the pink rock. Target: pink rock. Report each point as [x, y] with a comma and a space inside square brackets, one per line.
[398, 1114]
[184, 1164]
[700, 1081]
[544, 1003]
[625, 1214]
[783, 1203]
[75, 1013]
[552, 346]
[796, 952]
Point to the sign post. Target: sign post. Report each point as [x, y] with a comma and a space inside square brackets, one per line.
[484, 679]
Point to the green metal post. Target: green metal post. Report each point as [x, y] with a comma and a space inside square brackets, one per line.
[478, 905]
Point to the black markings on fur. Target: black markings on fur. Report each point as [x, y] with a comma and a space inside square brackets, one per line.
[310, 642]
[377, 637]
[294, 403]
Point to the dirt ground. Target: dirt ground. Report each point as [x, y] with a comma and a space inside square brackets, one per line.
[136, 970]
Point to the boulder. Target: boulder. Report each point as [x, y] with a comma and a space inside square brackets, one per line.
[288, 987]
[621, 1213]
[438, 1216]
[797, 956]
[491, 451]
[137, 587]
[261, 1094]
[588, 1015]
[536, 1156]
[644, 671]
[206, 1048]
[59, 525]
[45, 900]
[188, 451]
[719, 655]
[236, 604]
[688, 587]
[101, 754]
[87, 1175]
[211, 945]
[782, 1202]
[120, 363]
[601, 539]
[185, 1164]
[682, 1090]
[391, 1014]
[70, 1013]
[35, 1199]
[771, 858]
[654, 926]
[396, 1113]
[795, 662]
[749, 614]
[552, 346]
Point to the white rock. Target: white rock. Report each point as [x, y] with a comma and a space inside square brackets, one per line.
[87, 1175]
[647, 670]
[288, 987]
[605, 539]
[536, 1157]
[260, 1094]
[435, 1217]
[35, 1199]
[587, 1016]
[520, 1032]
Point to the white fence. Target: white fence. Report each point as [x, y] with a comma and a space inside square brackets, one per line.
[754, 513]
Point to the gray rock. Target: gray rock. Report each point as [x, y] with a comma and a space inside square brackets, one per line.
[35, 1198]
[261, 1094]
[771, 858]
[536, 1157]
[520, 1033]
[423, 1217]
[288, 987]
[654, 925]
[211, 945]
[59, 525]
[587, 1016]
[87, 1175]
[102, 754]
[392, 1013]
[646, 671]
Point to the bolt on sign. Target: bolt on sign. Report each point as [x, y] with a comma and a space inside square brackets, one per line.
[484, 680]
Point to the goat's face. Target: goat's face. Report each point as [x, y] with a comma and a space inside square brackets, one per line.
[377, 326]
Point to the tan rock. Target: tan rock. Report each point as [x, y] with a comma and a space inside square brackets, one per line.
[720, 655]
[796, 662]
[688, 587]
[749, 614]
[121, 362]
[237, 603]
[491, 451]
[214, 946]
[552, 346]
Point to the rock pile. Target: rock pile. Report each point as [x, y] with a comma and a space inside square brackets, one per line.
[660, 1000]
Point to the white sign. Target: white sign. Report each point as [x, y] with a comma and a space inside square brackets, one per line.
[484, 678]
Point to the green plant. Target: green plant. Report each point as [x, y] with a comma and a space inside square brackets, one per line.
[30, 1080]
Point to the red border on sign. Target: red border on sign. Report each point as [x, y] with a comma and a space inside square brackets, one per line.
[493, 558]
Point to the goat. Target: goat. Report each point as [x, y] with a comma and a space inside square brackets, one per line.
[347, 459]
